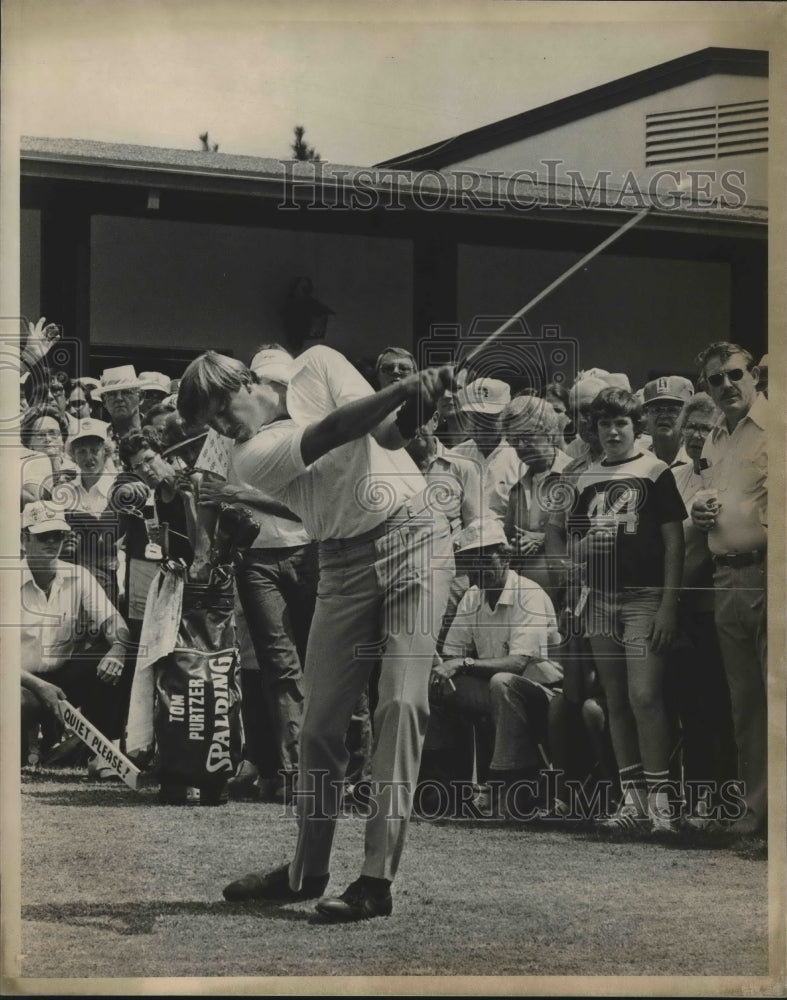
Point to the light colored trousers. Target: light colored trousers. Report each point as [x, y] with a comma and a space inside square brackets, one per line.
[380, 599]
[742, 629]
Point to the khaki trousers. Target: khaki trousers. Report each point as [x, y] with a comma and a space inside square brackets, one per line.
[379, 598]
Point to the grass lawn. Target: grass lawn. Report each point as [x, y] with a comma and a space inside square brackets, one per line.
[116, 885]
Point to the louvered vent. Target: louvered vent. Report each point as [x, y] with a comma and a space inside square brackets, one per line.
[711, 132]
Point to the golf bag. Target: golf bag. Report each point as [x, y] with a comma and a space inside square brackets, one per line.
[197, 717]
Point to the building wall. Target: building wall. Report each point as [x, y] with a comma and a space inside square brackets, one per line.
[192, 285]
[614, 140]
[30, 263]
[636, 315]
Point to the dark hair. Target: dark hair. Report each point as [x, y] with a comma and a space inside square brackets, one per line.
[93, 402]
[209, 379]
[721, 349]
[616, 402]
[135, 441]
[176, 429]
[162, 409]
[83, 388]
[32, 415]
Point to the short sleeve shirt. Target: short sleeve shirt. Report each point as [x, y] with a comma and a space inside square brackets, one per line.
[638, 495]
[347, 491]
[53, 626]
[521, 624]
[494, 476]
[736, 466]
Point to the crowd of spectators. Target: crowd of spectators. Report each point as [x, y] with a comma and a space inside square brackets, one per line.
[603, 652]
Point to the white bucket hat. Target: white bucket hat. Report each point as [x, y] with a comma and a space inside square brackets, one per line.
[116, 379]
[154, 382]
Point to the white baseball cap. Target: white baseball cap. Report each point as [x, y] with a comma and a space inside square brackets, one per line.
[480, 533]
[613, 380]
[42, 516]
[272, 364]
[89, 428]
[485, 395]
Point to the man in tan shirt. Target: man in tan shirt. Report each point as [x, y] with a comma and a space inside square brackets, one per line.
[733, 510]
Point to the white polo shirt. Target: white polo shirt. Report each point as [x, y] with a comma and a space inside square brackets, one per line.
[522, 624]
[53, 626]
[95, 499]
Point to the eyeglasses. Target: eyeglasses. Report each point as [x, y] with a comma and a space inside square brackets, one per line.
[703, 429]
[717, 379]
[394, 369]
[119, 394]
[146, 464]
[664, 407]
[50, 536]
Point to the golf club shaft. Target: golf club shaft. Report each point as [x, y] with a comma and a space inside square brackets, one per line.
[551, 287]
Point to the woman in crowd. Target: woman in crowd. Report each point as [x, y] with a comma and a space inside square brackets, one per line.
[45, 429]
[158, 415]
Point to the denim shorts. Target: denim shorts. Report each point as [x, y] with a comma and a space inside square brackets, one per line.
[627, 615]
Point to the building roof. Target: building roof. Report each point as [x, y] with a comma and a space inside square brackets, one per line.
[116, 155]
[685, 69]
[153, 167]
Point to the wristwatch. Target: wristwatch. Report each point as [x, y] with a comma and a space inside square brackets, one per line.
[467, 662]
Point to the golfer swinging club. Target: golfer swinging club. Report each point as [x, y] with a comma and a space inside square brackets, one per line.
[331, 449]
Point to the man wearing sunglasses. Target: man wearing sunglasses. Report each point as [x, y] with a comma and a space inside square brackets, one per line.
[393, 364]
[733, 510]
[67, 624]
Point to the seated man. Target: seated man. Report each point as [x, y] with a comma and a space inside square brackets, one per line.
[65, 612]
[41, 704]
[505, 622]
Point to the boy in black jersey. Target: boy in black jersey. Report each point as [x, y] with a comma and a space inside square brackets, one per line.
[625, 536]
